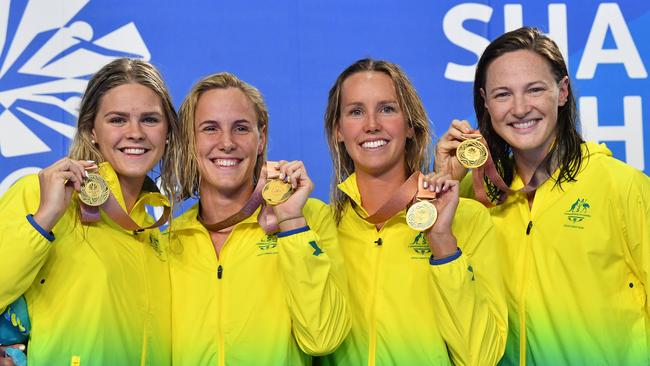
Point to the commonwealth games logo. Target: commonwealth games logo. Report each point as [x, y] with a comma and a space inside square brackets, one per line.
[46, 58]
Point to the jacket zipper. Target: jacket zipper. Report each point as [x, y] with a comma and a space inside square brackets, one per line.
[145, 333]
[222, 350]
[522, 305]
[372, 346]
[219, 274]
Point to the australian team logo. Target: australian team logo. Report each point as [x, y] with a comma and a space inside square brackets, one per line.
[420, 246]
[577, 213]
[47, 54]
[268, 245]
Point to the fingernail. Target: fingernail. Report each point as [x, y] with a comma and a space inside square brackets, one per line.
[437, 189]
[425, 184]
[90, 161]
[86, 173]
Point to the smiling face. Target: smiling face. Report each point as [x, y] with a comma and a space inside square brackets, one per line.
[228, 142]
[372, 125]
[522, 97]
[130, 130]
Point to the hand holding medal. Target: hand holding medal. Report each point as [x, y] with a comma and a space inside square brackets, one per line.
[293, 187]
[459, 149]
[422, 214]
[277, 188]
[445, 190]
[57, 182]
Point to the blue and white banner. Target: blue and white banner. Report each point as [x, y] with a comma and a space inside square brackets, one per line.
[293, 50]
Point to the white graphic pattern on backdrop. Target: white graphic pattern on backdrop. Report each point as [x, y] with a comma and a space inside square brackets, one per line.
[64, 61]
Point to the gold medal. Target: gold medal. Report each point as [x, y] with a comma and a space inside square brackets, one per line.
[471, 153]
[276, 191]
[94, 191]
[421, 215]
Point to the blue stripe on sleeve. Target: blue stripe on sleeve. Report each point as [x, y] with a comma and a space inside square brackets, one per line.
[451, 258]
[49, 236]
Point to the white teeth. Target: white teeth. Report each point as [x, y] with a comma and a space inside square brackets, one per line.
[226, 162]
[524, 124]
[134, 151]
[373, 144]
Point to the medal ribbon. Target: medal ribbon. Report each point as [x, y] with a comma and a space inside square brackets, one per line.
[540, 175]
[116, 213]
[398, 201]
[424, 193]
[265, 218]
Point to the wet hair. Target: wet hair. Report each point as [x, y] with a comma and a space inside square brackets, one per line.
[565, 152]
[188, 161]
[418, 148]
[120, 72]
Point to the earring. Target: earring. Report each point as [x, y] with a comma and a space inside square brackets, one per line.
[93, 142]
[167, 142]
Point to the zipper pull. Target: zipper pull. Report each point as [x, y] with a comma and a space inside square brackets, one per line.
[219, 272]
[530, 226]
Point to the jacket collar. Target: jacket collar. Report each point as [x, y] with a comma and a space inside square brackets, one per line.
[351, 189]
[588, 149]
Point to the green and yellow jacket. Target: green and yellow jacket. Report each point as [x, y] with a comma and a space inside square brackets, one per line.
[265, 300]
[576, 266]
[96, 294]
[408, 309]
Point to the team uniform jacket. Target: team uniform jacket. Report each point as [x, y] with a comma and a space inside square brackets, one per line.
[408, 311]
[577, 267]
[96, 294]
[265, 300]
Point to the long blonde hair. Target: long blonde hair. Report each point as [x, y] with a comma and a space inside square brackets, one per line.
[418, 149]
[187, 162]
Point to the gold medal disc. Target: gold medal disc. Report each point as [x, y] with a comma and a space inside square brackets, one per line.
[94, 191]
[276, 191]
[472, 153]
[421, 215]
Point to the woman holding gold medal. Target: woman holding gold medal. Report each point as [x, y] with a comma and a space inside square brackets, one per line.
[425, 285]
[253, 283]
[573, 219]
[80, 244]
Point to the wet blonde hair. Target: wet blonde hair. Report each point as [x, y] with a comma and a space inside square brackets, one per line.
[418, 148]
[119, 72]
[187, 162]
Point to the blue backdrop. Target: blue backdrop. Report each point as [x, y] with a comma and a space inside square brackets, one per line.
[293, 50]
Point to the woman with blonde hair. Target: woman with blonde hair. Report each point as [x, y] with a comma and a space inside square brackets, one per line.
[252, 284]
[83, 250]
[418, 297]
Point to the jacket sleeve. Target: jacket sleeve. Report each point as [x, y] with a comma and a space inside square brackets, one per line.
[23, 248]
[471, 292]
[315, 281]
[636, 227]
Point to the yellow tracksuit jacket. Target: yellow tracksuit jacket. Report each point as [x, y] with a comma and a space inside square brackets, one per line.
[266, 300]
[96, 294]
[407, 311]
[577, 267]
